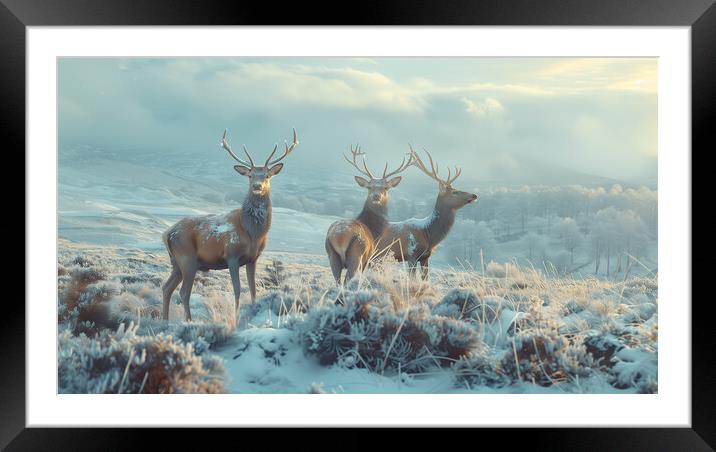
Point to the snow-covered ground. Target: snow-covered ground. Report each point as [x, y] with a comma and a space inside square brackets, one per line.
[461, 332]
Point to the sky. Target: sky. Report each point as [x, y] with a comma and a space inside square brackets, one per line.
[497, 118]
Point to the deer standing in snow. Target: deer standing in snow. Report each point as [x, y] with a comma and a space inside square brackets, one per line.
[232, 240]
[351, 243]
[414, 240]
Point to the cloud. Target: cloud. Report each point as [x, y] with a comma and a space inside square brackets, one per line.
[488, 107]
[589, 74]
[279, 84]
[507, 88]
[582, 114]
[426, 87]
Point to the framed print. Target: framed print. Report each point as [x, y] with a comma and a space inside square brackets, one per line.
[408, 225]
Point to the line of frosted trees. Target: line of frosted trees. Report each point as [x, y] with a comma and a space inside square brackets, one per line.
[567, 228]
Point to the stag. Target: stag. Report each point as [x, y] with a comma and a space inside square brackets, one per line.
[351, 243]
[414, 240]
[232, 240]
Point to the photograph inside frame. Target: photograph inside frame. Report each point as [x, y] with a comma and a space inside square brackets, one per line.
[357, 225]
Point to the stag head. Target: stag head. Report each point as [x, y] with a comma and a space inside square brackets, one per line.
[447, 195]
[259, 176]
[377, 187]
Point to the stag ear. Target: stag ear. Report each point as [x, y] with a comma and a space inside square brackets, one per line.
[394, 182]
[362, 182]
[244, 171]
[275, 169]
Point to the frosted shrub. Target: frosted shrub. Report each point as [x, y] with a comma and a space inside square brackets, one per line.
[81, 261]
[546, 358]
[143, 278]
[98, 292]
[80, 278]
[647, 286]
[636, 368]
[274, 275]
[455, 339]
[331, 331]
[479, 370]
[124, 362]
[602, 347]
[202, 335]
[645, 335]
[369, 332]
[639, 310]
[457, 304]
[278, 302]
[464, 304]
[84, 302]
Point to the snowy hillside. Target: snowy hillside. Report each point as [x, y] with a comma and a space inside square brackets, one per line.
[121, 203]
[130, 201]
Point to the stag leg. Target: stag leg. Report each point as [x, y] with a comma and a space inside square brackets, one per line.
[336, 264]
[412, 267]
[236, 282]
[251, 277]
[188, 274]
[354, 264]
[168, 289]
[424, 268]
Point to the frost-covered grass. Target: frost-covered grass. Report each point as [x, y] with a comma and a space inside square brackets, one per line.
[513, 329]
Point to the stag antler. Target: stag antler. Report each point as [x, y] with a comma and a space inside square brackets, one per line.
[356, 152]
[403, 165]
[225, 145]
[433, 171]
[365, 171]
[288, 149]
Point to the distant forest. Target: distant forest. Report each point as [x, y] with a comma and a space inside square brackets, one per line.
[565, 227]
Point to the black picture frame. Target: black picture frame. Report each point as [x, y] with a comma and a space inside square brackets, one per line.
[16, 15]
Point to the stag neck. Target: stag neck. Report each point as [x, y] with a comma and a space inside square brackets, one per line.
[374, 217]
[440, 222]
[256, 214]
